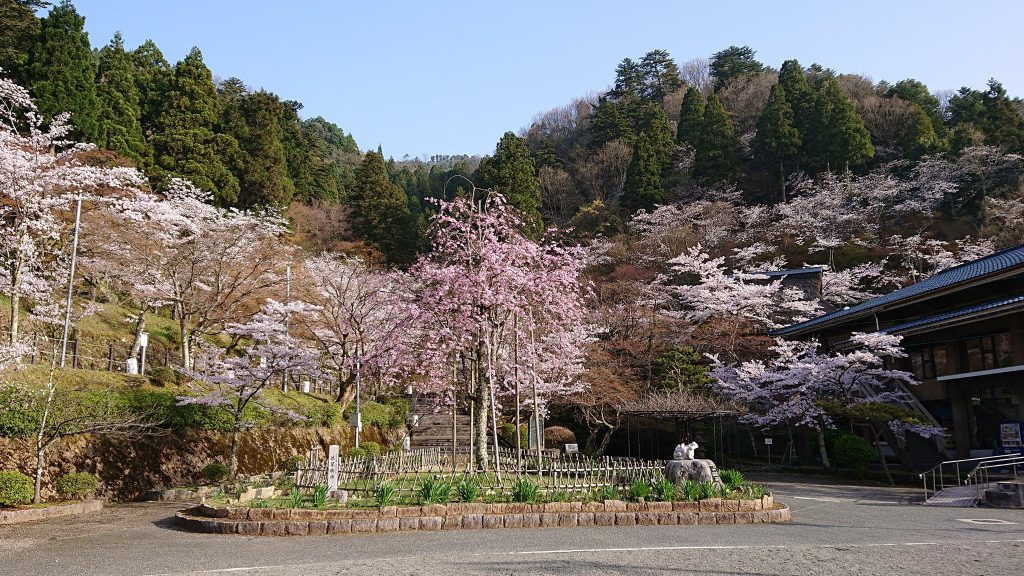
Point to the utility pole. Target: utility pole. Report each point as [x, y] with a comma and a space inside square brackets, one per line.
[71, 282]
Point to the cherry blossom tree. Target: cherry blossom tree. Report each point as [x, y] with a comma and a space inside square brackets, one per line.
[505, 309]
[213, 266]
[41, 172]
[801, 384]
[914, 258]
[364, 320]
[701, 290]
[232, 382]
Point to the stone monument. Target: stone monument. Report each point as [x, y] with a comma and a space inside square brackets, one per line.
[684, 466]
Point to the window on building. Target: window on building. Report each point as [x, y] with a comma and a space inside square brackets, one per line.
[925, 362]
[988, 352]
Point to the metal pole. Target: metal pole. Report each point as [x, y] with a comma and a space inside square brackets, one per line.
[287, 317]
[71, 282]
[359, 414]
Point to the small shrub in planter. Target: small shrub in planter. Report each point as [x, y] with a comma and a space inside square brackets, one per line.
[320, 496]
[215, 472]
[708, 490]
[606, 493]
[732, 479]
[435, 490]
[385, 494]
[76, 486]
[639, 490]
[525, 491]
[559, 496]
[665, 490]
[691, 490]
[15, 489]
[468, 490]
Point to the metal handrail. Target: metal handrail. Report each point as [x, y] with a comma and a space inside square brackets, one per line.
[980, 477]
[937, 473]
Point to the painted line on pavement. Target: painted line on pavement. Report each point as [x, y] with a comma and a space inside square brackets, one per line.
[611, 550]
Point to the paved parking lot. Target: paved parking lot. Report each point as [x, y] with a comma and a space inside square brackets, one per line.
[836, 530]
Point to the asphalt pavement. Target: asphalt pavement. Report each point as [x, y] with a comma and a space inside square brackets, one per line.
[835, 530]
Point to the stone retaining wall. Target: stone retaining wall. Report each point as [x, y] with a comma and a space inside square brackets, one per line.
[56, 511]
[303, 522]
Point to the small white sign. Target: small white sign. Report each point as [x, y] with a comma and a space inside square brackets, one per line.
[768, 441]
[333, 467]
[572, 448]
[144, 339]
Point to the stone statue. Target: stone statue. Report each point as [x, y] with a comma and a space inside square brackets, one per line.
[685, 451]
[684, 467]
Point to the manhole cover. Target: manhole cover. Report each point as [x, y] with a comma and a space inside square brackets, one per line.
[985, 521]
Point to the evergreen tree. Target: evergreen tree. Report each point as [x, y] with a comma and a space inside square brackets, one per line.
[121, 111]
[263, 174]
[838, 138]
[511, 172]
[629, 81]
[381, 212]
[991, 112]
[609, 123]
[19, 31]
[716, 148]
[915, 91]
[660, 76]
[799, 95]
[643, 188]
[733, 62]
[62, 73]
[153, 76]
[691, 117]
[186, 144]
[777, 141]
[653, 124]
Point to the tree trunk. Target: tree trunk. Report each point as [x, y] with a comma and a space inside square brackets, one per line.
[821, 448]
[483, 395]
[233, 458]
[37, 495]
[140, 327]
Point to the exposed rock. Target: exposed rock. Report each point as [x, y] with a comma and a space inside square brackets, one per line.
[679, 471]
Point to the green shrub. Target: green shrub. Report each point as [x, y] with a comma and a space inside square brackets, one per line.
[162, 375]
[507, 430]
[664, 490]
[708, 490]
[18, 423]
[691, 490]
[732, 479]
[373, 449]
[525, 490]
[356, 452]
[320, 496]
[215, 472]
[399, 412]
[853, 452]
[606, 493]
[435, 490]
[15, 489]
[296, 498]
[376, 414]
[385, 494]
[559, 496]
[639, 490]
[324, 415]
[468, 490]
[291, 463]
[76, 486]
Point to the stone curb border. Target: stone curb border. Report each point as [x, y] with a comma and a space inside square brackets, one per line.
[36, 514]
[302, 522]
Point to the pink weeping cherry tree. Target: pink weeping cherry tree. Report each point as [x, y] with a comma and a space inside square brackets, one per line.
[500, 313]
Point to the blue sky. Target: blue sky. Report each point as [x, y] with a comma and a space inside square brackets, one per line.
[442, 77]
